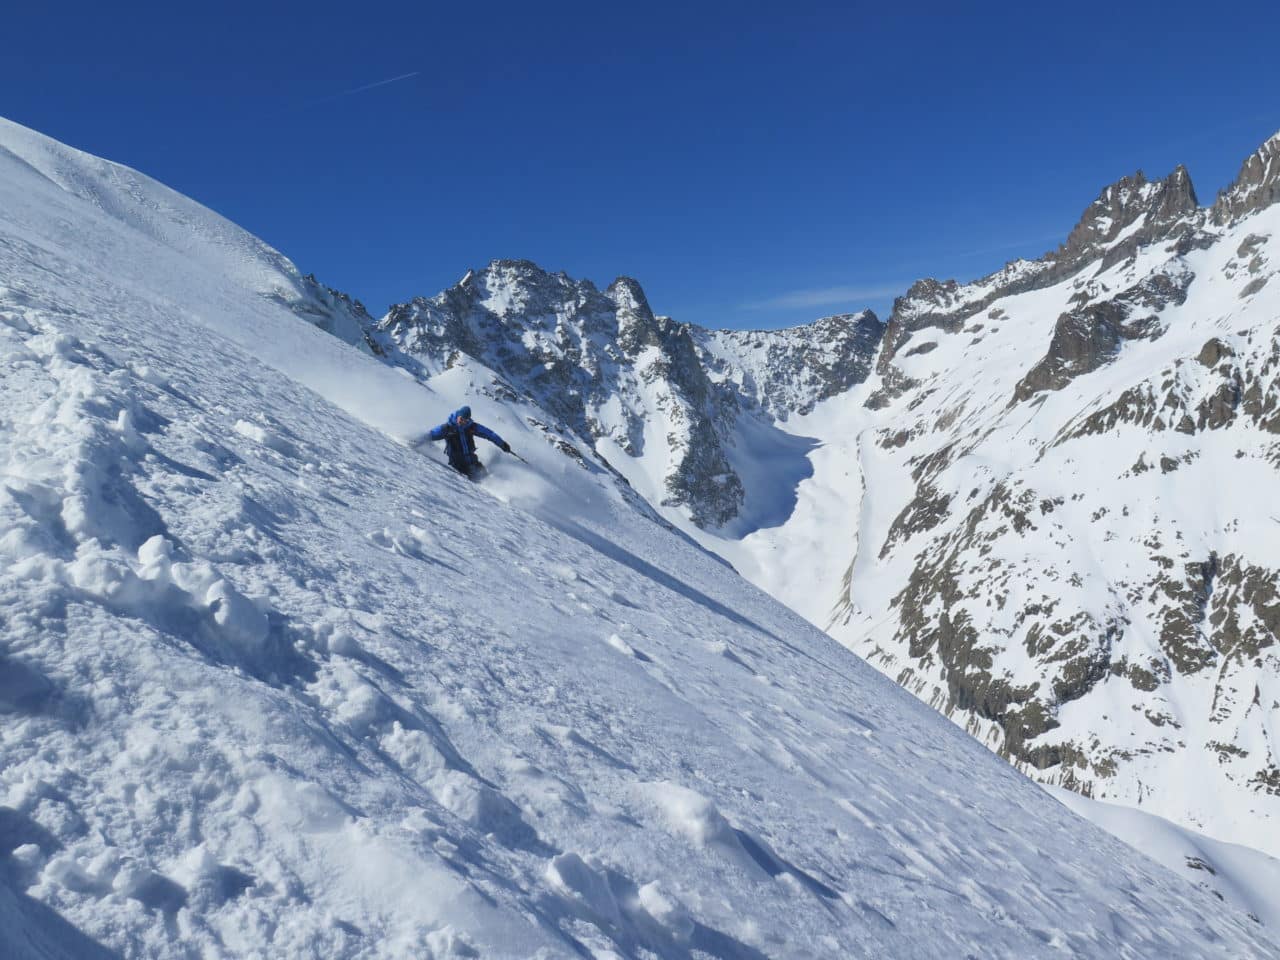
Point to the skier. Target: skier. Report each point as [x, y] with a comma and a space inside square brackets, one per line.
[459, 435]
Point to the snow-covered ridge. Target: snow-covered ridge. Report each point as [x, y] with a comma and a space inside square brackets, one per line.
[178, 224]
[792, 370]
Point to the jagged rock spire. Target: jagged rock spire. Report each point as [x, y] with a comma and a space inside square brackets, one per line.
[1255, 187]
[1133, 208]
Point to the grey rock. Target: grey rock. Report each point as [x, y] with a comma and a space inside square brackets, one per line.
[1089, 337]
[1256, 187]
[790, 371]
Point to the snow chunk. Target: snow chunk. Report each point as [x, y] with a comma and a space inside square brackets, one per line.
[104, 576]
[302, 806]
[666, 910]
[586, 882]
[241, 621]
[148, 374]
[415, 752]
[334, 633]
[155, 556]
[562, 571]
[690, 814]
[448, 942]
[620, 645]
[128, 431]
[481, 806]
[271, 439]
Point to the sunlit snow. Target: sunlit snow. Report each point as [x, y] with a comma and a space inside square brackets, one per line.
[274, 684]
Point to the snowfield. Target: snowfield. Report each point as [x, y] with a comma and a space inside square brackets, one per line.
[274, 684]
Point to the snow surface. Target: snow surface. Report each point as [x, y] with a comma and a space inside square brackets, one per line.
[1239, 875]
[273, 684]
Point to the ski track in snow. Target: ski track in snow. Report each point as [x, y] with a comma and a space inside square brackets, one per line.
[272, 684]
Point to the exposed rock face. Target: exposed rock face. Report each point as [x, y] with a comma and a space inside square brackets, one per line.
[1089, 336]
[789, 371]
[598, 362]
[1256, 187]
[1130, 214]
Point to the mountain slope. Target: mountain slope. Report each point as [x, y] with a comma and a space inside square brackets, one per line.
[1079, 568]
[274, 682]
[1039, 500]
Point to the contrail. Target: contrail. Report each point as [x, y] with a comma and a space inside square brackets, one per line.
[367, 86]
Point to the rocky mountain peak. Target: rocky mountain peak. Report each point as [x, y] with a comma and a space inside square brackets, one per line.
[1128, 214]
[520, 269]
[926, 294]
[520, 288]
[1255, 187]
[636, 325]
[592, 360]
[627, 293]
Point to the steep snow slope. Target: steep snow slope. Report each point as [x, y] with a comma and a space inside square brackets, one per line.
[273, 683]
[178, 228]
[1239, 875]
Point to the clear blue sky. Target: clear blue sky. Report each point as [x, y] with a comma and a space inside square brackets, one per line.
[750, 165]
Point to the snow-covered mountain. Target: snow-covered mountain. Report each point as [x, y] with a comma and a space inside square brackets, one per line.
[660, 400]
[272, 683]
[1040, 500]
[1080, 565]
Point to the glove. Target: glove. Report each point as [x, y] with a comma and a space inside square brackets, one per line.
[506, 447]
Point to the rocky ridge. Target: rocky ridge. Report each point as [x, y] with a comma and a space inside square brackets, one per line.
[782, 372]
[599, 363]
[612, 374]
[1256, 187]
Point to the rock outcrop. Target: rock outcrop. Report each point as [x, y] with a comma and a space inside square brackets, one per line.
[1256, 187]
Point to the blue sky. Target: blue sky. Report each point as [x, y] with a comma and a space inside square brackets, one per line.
[750, 165]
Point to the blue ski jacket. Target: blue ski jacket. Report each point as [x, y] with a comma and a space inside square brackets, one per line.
[460, 441]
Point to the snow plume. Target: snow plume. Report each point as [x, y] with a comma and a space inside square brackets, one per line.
[272, 683]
